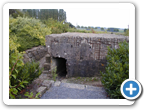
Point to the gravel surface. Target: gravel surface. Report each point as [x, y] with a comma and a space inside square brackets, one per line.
[75, 91]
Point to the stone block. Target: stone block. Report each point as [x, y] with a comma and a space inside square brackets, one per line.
[33, 58]
[46, 66]
[30, 55]
[43, 76]
[37, 57]
[41, 54]
[57, 83]
[26, 60]
[48, 58]
[25, 56]
[41, 90]
[47, 83]
[39, 51]
[46, 72]
[45, 49]
[34, 53]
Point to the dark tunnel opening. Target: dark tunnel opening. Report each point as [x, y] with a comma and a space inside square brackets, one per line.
[61, 66]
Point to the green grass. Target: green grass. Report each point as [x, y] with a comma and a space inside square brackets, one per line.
[96, 31]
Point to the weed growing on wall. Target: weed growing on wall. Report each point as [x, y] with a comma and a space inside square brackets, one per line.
[117, 69]
[54, 75]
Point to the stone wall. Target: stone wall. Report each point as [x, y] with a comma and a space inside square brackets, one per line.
[85, 53]
[35, 53]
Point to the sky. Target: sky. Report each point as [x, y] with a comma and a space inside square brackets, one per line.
[102, 17]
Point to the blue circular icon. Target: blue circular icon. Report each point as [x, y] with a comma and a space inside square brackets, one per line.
[130, 89]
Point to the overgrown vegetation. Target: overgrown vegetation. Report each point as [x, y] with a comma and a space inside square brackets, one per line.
[54, 74]
[126, 32]
[117, 69]
[20, 74]
[56, 27]
[30, 32]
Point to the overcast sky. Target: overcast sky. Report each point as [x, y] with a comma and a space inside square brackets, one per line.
[93, 14]
[104, 17]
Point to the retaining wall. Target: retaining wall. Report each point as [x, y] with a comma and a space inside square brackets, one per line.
[35, 53]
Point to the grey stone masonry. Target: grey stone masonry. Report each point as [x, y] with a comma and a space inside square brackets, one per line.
[85, 53]
[35, 53]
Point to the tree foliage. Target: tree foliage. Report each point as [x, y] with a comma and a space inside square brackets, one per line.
[20, 74]
[57, 27]
[117, 69]
[30, 32]
[126, 32]
[15, 13]
[44, 14]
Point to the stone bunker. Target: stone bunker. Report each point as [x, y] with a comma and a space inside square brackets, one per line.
[79, 54]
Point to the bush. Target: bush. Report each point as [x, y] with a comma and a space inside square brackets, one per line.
[20, 74]
[117, 69]
[30, 32]
[56, 27]
[126, 33]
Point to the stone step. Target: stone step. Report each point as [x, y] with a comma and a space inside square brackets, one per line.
[46, 72]
[41, 90]
[48, 58]
[47, 66]
[47, 83]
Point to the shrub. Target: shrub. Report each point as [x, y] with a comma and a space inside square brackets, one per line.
[20, 74]
[56, 27]
[30, 32]
[117, 69]
[126, 33]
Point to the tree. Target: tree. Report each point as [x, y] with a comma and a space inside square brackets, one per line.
[102, 29]
[55, 16]
[15, 13]
[70, 25]
[78, 26]
[89, 27]
[82, 27]
[125, 30]
[61, 15]
[37, 13]
[29, 12]
[42, 14]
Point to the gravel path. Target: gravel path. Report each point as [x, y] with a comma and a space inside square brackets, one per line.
[74, 91]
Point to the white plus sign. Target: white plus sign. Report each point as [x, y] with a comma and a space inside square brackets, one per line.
[131, 89]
